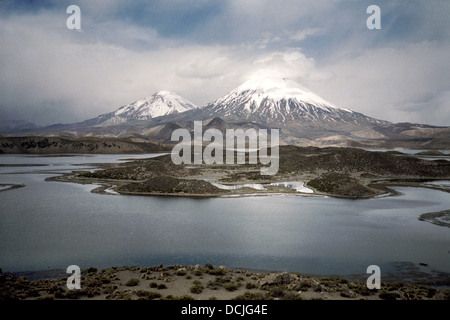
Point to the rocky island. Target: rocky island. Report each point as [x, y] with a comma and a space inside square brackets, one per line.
[338, 172]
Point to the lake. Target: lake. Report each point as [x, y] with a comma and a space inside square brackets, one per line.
[51, 225]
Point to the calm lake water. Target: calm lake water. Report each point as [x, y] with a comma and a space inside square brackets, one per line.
[47, 225]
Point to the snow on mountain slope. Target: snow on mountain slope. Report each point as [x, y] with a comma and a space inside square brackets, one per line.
[159, 104]
[280, 101]
[258, 90]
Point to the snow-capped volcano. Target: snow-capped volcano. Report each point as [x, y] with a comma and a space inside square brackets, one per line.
[159, 104]
[258, 93]
[274, 101]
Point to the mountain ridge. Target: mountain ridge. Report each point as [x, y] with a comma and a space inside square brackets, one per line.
[302, 117]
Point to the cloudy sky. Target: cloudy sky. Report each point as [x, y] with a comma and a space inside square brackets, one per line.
[127, 50]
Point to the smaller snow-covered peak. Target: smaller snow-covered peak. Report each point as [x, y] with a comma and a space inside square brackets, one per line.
[172, 100]
[159, 104]
[163, 94]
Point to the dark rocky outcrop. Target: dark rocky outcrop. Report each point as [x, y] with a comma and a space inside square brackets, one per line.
[54, 145]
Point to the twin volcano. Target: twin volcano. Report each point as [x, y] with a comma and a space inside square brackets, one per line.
[282, 104]
[303, 118]
[270, 101]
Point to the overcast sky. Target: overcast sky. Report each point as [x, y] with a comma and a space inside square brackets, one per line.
[127, 50]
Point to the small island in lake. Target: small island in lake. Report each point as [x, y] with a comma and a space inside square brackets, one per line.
[337, 172]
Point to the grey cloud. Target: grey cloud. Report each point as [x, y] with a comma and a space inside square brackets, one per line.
[50, 74]
[395, 84]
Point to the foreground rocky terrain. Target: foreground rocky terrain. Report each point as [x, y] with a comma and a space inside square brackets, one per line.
[206, 283]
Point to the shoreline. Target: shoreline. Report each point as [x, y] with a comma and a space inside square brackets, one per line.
[385, 186]
[396, 271]
[177, 282]
[439, 218]
[10, 186]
